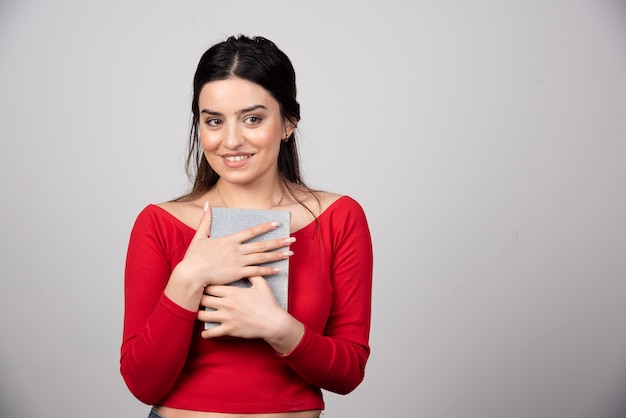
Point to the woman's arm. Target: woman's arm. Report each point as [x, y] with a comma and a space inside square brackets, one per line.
[161, 302]
[336, 360]
[157, 331]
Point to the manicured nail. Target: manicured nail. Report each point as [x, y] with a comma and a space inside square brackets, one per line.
[275, 224]
[290, 240]
[287, 253]
[206, 206]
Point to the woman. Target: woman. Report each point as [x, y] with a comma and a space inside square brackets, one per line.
[261, 361]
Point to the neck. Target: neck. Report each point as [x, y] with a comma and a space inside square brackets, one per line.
[235, 196]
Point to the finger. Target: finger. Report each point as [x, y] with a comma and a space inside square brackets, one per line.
[267, 245]
[209, 315]
[215, 292]
[254, 231]
[213, 332]
[217, 330]
[260, 271]
[258, 281]
[267, 257]
[204, 227]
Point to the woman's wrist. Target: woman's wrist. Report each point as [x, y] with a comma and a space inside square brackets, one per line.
[183, 291]
[287, 335]
[296, 345]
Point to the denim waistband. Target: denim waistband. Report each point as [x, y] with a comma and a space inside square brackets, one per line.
[154, 414]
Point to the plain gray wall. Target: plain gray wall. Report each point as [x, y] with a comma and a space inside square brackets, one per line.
[486, 141]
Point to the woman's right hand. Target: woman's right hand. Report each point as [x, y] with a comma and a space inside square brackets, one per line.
[223, 260]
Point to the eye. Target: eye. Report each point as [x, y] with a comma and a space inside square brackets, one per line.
[212, 122]
[252, 120]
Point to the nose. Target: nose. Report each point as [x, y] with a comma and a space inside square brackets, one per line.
[234, 138]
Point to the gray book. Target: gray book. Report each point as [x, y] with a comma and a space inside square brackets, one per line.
[226, 221]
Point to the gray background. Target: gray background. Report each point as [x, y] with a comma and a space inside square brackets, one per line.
[485, 140]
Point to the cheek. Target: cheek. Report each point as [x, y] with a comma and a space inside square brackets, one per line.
[265, 137]
[208, 142]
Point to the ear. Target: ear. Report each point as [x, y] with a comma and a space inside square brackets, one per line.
[289, 127]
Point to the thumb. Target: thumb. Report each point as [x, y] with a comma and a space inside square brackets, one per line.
[258, 281]
[204, 227]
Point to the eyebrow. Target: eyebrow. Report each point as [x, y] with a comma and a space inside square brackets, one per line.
[239, 112]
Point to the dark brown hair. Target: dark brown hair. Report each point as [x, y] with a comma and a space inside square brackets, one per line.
[258, 60]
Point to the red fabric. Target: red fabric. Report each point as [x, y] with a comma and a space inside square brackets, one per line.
[165, 361]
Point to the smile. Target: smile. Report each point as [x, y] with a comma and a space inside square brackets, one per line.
[236, 157]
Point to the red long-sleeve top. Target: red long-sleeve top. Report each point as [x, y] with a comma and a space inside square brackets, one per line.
[165, 361]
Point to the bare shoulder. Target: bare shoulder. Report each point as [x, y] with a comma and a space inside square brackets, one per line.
[188, 213]
[312, 204]
[317, 201]
[327, 199]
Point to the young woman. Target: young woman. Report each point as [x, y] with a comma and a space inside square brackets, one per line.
[261, 361]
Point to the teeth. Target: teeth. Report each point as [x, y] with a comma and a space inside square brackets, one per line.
[237, 157]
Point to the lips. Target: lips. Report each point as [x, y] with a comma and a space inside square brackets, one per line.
[236, 161]
[236, 158]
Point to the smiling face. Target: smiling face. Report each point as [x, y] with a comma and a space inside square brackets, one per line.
[241, 129]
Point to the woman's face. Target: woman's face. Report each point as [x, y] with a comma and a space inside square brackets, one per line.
[240, 130]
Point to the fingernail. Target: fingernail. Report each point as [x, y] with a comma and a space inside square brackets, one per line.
[290, 240]
[206, 206]
[275, 224]
[287, 253]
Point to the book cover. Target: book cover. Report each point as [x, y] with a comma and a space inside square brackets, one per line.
[226, 221]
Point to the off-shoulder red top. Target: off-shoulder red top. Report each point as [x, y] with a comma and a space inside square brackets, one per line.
[165, 361]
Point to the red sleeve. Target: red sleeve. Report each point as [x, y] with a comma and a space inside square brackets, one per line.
[336, 360]
[157, 332]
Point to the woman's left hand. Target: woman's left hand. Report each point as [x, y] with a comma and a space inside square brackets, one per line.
[251, 312]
